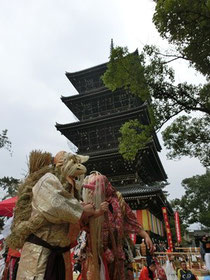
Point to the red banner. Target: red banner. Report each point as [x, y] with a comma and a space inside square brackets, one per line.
[168, 229]
[178, 229]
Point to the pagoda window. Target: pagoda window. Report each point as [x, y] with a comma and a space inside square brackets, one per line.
[102, 138]
[92, 140]
[117, 100]
[111, 136]
[97, 82]
[102, 107]
[84, 138]
[94, 108]
[87, 109]
[98, 106]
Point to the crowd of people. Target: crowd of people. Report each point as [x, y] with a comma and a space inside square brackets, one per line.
[159, 246]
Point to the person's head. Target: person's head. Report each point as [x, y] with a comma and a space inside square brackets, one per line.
[94, 188]
[97, 185]
[151, 263]
[204, 238]
[183, 265]
[152, 266]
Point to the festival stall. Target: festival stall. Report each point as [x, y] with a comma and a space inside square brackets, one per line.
[7, 206]
[7, 268]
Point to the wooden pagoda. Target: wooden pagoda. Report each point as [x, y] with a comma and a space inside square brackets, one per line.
[101, 113]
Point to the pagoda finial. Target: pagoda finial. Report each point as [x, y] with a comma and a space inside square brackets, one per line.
[111, 46]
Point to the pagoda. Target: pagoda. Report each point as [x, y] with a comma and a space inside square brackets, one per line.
[100, 114]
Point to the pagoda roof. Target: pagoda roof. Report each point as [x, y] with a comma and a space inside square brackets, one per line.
[86, 71]
[152, 194]
[136, 189]
[75, 97]
[89, 74]
[72, 76]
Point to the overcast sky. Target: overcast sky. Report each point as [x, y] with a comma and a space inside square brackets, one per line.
[41, 40]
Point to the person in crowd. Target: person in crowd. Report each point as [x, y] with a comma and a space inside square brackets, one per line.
[206, 247]
[148, 272]
[160, 272]
[160, 245]
[185, 274]
[202, 250]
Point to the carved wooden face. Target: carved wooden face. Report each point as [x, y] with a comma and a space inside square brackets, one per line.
[72, 165]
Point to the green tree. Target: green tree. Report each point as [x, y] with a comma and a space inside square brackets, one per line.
[4, 140]
[194, 205]
[188, 136]
[9, 185]
[148, 76]
[186, 24]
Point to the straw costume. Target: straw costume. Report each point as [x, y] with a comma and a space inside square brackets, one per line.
[46, 212]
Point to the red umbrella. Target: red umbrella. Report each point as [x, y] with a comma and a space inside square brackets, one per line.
[7, 206]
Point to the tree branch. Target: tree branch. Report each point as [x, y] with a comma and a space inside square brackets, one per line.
[162, 124]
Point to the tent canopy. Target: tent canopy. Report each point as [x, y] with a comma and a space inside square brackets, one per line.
[7, 206]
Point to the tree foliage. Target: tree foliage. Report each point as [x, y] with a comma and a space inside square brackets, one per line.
[9, 185]
[186, 24]
[188, 136]
[148, 76]
[135, 136]
[4, 140]
[194, 206]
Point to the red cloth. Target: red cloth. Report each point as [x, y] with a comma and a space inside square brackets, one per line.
[13, 253]
[144, 275]
[7, 206]
[161, 275]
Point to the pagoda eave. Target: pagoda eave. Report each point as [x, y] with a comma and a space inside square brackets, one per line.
[88, 78]
[86, 71]
[123, 167]
[117, 116]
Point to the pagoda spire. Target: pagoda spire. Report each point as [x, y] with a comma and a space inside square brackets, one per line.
[111, 47]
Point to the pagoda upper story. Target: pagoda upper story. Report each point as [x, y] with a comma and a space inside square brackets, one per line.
[101, 113]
